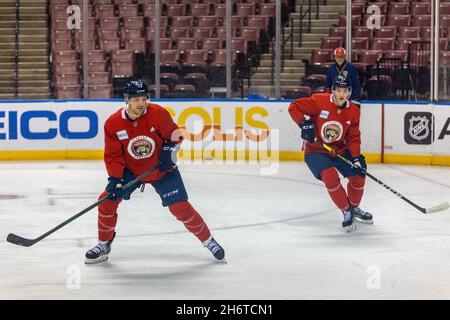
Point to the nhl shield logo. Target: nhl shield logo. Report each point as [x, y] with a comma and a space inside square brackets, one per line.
[418, 127]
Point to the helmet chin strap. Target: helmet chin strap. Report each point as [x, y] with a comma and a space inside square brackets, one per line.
[127, 103]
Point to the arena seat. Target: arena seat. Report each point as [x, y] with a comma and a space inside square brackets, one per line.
[176, 33]
[398, 8]
[182, 22]
[401, 54]
[298, 92]
[211, 44]
[195, 61]
[385, 32]
[200, 33]
[207, 21]
[198, 10]
[368, 58]
[135, 45]
[337, 32]
[104, 11]
[164, 44]
[359, 43]
[403, 43]
[99, 78]
[164, 90]
[331, 42]
[122, 68]
[409, 32]
[186, 44]
[245, 9]
[398, 20]
[176, 10]
[420, 8]
[63, 79]
[100, 91]
[128, 10]
[69, 55]
[170, 61]
[68, 91]
[361, 32]
[169, 79]
[382, 44]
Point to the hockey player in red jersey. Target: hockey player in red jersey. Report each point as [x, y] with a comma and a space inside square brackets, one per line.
[138, 137]
[334, 120]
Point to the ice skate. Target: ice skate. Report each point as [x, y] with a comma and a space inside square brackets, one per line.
[362, 216]
[217, 251]
[99, 253]
[349, 224]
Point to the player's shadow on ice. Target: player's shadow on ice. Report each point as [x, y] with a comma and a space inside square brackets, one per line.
[125, 274]
[364, 236]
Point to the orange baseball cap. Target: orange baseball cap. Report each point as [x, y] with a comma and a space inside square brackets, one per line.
[339, 52]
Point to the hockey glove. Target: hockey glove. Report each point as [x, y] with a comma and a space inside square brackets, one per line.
[114, 188]
[308, 131]
[360, 161]
[168, 157]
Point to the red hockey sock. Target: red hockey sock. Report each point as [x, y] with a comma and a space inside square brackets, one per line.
[355, 189]
[337, 193]
[192, 220]
[107, 218]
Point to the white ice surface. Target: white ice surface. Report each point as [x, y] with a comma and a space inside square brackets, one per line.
[281, 234]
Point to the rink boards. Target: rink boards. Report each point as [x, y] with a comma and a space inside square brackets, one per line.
[393, 132]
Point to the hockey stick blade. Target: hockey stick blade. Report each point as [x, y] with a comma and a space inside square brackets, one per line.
[441, 207]
[18, 240]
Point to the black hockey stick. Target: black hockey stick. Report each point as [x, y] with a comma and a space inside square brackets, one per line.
[20, 241]
[440, 207]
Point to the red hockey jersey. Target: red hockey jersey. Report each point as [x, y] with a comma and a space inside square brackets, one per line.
[136, 145]
[337, 127]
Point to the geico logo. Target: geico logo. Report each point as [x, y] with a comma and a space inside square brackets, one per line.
[212, 123]
[47, 124]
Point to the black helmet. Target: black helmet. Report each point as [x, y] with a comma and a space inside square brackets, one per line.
[135, 88]
[341, 82]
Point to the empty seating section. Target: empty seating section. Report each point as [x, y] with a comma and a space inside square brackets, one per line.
[122, 43]
[121, 39]
[402, 25]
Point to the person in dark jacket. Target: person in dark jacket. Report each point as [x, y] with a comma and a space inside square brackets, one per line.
[346, 69]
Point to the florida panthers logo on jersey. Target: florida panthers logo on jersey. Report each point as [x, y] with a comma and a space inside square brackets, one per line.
[141, 147]
[331, 131]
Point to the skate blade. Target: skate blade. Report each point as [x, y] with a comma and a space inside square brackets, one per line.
[351, 228]
[223, 261]
[98, 260]
[364, 221]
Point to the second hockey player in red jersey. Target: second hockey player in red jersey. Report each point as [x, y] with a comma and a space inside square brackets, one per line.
[334, 120]
[138, 137]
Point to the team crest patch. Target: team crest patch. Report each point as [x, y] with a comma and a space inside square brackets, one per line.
[141, 147]
[331, 131]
